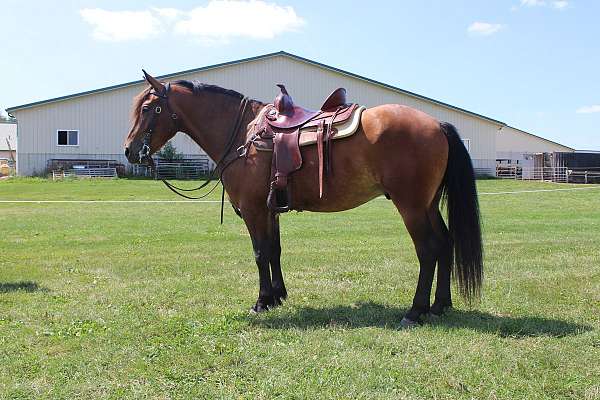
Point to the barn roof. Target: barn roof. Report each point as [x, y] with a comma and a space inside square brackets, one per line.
[244, 60]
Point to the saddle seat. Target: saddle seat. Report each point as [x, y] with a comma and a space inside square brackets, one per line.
[278, 129]
[286, 115]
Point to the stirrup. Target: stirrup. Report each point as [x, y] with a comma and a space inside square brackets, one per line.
[279, 200]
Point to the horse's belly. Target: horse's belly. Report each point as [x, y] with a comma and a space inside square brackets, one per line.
[350, 183]
[332, 204]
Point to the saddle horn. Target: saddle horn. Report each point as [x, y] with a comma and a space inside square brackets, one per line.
[283, 102]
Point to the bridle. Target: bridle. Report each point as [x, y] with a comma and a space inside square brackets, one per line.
[220, 167]
[144, 153]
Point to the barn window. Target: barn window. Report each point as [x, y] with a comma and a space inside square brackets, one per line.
[67, 138]
[467, 143]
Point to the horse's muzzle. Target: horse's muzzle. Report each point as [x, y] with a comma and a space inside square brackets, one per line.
[134, 157]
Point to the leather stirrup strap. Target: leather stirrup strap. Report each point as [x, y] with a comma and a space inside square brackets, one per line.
[320, 130]
[328, 141]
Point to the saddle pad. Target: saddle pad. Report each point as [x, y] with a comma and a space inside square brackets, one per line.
[308, 136]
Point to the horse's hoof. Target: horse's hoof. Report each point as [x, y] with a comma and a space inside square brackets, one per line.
[257, 309]
[279, 295]
[433, 316]
[283, 294]
[438, 311]
[408, 323]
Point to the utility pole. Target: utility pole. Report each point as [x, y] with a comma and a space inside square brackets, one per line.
[12, 157]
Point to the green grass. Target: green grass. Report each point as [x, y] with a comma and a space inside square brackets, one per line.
[150, 300]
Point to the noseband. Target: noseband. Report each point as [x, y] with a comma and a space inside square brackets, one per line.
[144, 153]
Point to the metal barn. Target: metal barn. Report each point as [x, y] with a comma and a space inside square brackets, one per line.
[92, 125]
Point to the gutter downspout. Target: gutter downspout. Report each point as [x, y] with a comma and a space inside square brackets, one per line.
[16, 146]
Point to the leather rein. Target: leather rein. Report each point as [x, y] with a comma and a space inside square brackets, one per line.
[222, 164]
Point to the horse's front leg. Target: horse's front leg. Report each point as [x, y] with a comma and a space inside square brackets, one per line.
[279, 291]
[258, 226]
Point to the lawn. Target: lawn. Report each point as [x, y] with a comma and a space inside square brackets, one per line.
[150, 300]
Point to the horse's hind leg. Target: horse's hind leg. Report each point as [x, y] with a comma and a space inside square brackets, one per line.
[427, 246]
[443, 297]
[279, 291]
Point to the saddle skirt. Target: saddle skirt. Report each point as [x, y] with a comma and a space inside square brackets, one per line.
[308, 134]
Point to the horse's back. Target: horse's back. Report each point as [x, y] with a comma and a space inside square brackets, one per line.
[397, 122]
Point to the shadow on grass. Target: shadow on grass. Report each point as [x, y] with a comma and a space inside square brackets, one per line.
[23, 286]
[377, 315]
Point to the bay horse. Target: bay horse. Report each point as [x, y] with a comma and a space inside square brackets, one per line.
[397, 151]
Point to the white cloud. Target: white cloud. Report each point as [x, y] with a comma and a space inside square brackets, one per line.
[560, 5]
[557, 4]
[121, 25]
[533, 3]
[169, 14]
[589, 109]
[483, 28]
[218, 21]
[224, 19]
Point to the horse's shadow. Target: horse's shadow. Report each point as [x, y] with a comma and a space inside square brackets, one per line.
[21, 286]
[378, 315]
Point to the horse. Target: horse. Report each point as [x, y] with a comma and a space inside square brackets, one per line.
[416, 161]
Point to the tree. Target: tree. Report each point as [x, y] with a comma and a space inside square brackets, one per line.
[169, 152]
[6, 117]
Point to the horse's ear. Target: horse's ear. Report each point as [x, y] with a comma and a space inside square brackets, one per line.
[156, 85]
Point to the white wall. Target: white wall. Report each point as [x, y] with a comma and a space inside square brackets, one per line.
[103, 118]
[512, 143]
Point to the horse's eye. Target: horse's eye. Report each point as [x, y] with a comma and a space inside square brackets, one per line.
[145, 108]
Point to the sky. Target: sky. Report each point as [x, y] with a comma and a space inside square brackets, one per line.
[533, 64]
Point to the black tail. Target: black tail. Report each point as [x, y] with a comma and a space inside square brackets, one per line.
[460, 193]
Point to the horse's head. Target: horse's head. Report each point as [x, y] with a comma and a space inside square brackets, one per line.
[153, 122]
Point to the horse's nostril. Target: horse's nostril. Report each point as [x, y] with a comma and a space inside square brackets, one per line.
[126, 151]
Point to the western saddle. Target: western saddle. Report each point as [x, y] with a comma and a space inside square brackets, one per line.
[279, 126]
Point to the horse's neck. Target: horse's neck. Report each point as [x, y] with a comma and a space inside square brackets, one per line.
[213, 131]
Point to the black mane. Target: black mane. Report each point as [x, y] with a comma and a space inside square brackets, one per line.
[198, 87]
